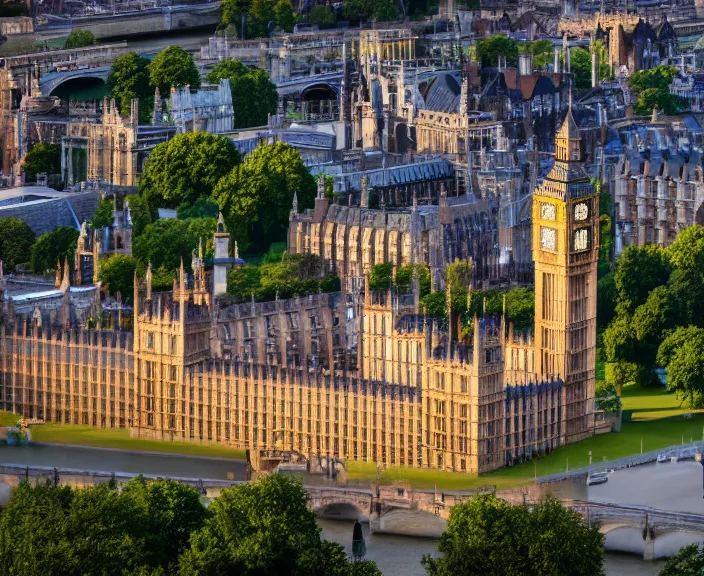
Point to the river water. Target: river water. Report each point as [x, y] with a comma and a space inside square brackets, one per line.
[668, 486]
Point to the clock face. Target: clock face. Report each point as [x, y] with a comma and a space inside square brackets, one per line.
[547, 211]
[581, 239]
[548, 238]
[581, 211]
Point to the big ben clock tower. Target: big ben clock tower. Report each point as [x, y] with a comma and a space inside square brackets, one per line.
[565, 252]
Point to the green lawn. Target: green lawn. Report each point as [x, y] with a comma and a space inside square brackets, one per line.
[120, 438]
[658, 422]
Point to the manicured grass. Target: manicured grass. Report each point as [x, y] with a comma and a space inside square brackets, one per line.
[9, 418]
[658, 420]
[120, 438]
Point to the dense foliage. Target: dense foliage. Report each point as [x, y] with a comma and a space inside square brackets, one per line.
[16, 239]
[659, 297]
[128, 79]
[490, 537]
[186, 168]
[293, 275]
[257, 16]
[364, 10]
[117, 274]
[167, 242]
[653, 89]
[42, 158]
[489, 50]
[689, 561]
[141, 215]
[53, 247]
[103, 214]
[256, 196]
[173, 67]
[254, 95]
[79, 39]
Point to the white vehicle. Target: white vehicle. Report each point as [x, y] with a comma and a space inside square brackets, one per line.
[597, 478]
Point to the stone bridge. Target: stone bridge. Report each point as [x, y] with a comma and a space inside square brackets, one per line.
[52, 80]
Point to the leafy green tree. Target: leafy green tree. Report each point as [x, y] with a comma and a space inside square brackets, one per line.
[256, 196]
[651, 320]
[203, 208]
[16, 240]
[53, 247]
[141, 215]
[166, 243]
[322, 16]
[638, 271]
[581, 65]
[605, 300]
[607, 397]
[259, 528]
[254, 95]
[186, 168]
[42, 158]
[381, 277]
[689, 561]
[659, 78]
[687, 251]
[520, 308]
[404, 279]
[542, 51]
[435, 304]
[173, 67]
[619, 340]
[243, 281]
[117, 274]
[489, 50]
[79, 39]
[128, 79]
[172, 512]
[621, 373]
[490, 537]
[232, 11]
[682, 352]
[650, 98]
[103, 214]
[687, 289]
[379, 10]
[284, 15]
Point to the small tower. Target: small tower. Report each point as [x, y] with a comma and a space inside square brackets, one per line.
[221, 261]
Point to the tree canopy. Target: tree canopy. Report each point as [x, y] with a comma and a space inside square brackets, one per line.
[128, 79]
[653, 89]
[256, 196]
[42, 158]
[689, 561]
[490, 537]
[258, 16]
[53, 247]
[254, 95]
[379, 10]
[173, 67]
[166, 242]
[117, 274]
[186, 168]
[79, 39]
[489, 50]
[103, 214]
[16, 239]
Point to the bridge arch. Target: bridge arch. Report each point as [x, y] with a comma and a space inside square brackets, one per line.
[320, 91]
[342, 511]
[81, 88]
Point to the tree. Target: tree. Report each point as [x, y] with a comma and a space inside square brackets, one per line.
[379, 10]
[243, 281]
[490, 537]
[79, 39]
[259, 528]
[256, 196]
[650, 322]
[687, 251]
[689, 561]
[53, 247]
[581, 65]
[675, 341]
[141, 215]
[542, 51]
[659, 78]
[607, 397]
[173, 67]
[165, 243]
[117, 273]
[605, 300]
[520, 308]
[173, 511]
[128, 79]
[404, 279]
[659, 98]
[322, 16]
[186, 168]
[685, 366]
[16, 239]
[203, 208]
[489, 50]
[639, 269]
[619, 340]
[284, 15]
[381, 277]
[254, 95]
[103, 214]
[232, 11]
[42, 158]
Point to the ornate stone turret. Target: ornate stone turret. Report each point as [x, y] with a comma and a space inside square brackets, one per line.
[364, 193]
[221, 261]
